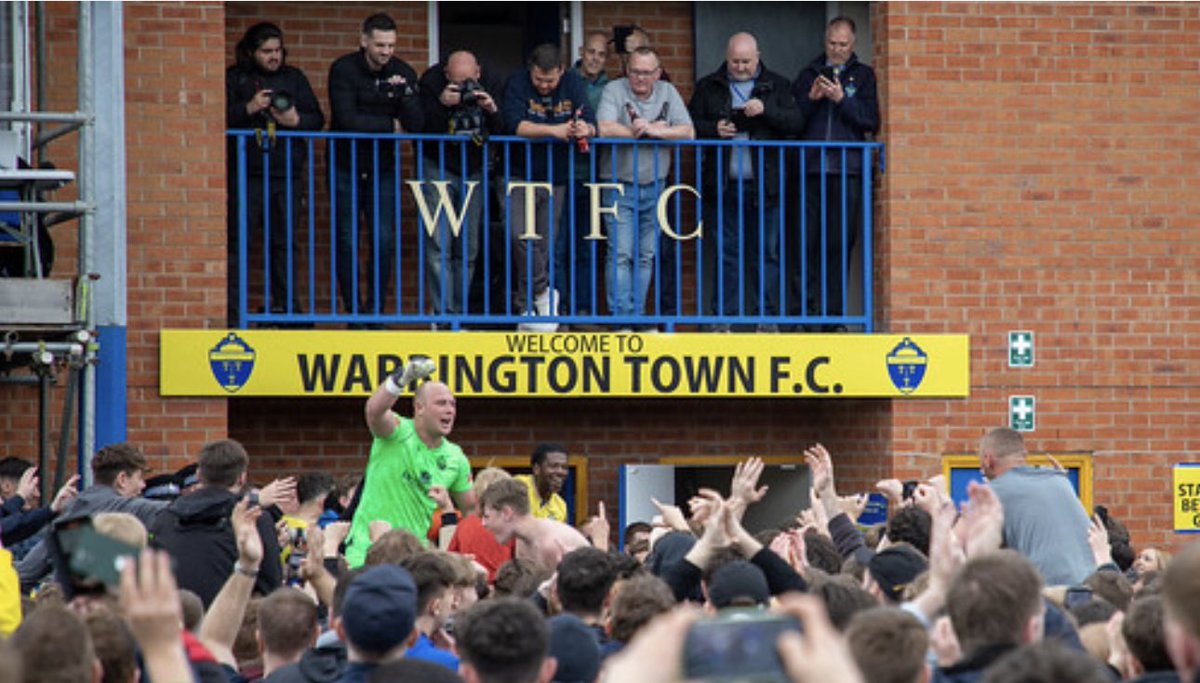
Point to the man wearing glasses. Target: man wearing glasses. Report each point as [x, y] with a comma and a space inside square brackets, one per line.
[642, 107]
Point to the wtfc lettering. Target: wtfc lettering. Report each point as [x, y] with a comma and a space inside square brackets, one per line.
[524, 191]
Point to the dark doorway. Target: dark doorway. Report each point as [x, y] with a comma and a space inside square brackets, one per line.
[501, 34]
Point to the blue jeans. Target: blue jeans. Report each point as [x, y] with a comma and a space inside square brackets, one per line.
[746, 249]
[632, 239]
[450, 260]
[355, 200]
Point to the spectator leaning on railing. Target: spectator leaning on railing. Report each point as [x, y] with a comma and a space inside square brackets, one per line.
[743, 100]
[370, 91]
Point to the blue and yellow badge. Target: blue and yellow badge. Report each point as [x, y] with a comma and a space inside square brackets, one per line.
[231, 361]
[906, 366]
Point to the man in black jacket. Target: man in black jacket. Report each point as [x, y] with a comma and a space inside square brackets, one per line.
[196, 529]
[264, 93]
[741, 101]
[455, 99]
[370, 91]
[836, 95]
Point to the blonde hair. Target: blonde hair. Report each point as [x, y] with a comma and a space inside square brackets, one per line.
[488, 476]
[122, 526]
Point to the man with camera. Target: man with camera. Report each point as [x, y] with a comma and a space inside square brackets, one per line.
[264, 93]
[742, 101]
[836, 96]
[455, 101]
[370, 91]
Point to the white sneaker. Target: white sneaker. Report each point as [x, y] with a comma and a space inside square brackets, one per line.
[544, 304]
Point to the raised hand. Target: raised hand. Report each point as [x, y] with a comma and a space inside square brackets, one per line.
[982, 523]
[744, 487]
[821, 466]
[671, 515]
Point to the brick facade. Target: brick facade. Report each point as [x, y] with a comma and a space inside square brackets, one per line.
[1040, 175]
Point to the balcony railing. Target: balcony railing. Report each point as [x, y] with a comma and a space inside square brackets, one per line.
[742, 234]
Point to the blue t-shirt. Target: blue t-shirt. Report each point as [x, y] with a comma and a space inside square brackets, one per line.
[425, 650]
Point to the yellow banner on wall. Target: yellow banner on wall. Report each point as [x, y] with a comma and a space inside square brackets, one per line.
[498, 364]
[1187, 497]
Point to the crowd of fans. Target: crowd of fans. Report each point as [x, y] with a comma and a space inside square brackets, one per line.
[236, 583]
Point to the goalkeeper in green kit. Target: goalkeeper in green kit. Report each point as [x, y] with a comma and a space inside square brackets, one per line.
[412, 461]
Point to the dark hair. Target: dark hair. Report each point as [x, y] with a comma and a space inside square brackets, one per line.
[544, 449]
[1046, 663]
[910, 525]
[843, 597]
[821, 553]
[114, 645]
[637, 601]
[518, 578]
[311, 486]
[632, 529]
[1094, 611]
[585, 576]
[1143, 631]
[1112, 586]
[253, 39]
[378, 22]
[287, 621]
[625, 565]
[504, 640]
[432, 575]
[55, 645]
[1122, 554]
[992, 599]
[13, 467]
[116, 458]
[221, 463]
[847, 21]
[343, 585]
[546, 57]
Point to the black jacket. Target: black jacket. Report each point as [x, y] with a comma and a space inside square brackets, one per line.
[441, 119]
[196, 530]
[241, 84]
[851, 120]
[781, 119]
[322, 664]
[684, 577]
[363, 101]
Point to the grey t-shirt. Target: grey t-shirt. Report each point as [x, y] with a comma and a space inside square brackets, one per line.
[1045, 522]
[664, 104]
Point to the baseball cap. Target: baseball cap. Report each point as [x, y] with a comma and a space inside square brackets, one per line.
[738, 580]
[576, 648]
[380, 608]
[894, 567]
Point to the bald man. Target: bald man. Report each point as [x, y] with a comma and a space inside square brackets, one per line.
[409, 458]
[456, 98]
[743, 101]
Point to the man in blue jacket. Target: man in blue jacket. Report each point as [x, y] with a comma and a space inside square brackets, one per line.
[547, 103]
[836, 95]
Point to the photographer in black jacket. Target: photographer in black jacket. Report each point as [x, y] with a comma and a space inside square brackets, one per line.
[370, 91]
[742, 100]
[456, 99]
[265, 94]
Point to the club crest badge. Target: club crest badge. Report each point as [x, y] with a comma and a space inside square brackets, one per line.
[231, 361]
[906, 366]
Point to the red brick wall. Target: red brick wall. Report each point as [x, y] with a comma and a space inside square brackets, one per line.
[1042, 176]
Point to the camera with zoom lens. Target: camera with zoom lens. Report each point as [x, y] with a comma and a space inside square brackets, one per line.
[281, 101]
[469, 92]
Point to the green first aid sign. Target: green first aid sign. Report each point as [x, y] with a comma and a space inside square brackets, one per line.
[1021, 413]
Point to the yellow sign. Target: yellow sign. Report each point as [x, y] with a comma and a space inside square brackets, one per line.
[1187, 498]
[494, 364]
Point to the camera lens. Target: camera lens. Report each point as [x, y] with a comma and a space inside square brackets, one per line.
[281, 100]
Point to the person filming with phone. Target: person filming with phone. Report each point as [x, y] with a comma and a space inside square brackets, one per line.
[836, 96]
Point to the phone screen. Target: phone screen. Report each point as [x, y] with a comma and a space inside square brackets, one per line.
[737, 645]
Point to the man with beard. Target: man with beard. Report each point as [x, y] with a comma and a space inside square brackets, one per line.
[549, 464]
[409, 458]
[263, 92]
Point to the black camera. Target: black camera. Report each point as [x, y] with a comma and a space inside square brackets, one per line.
[394, 86]
[469, 92]
[281, 100]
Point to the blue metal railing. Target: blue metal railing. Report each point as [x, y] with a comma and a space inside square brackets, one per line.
[390, 238]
